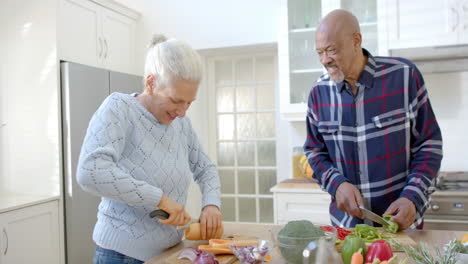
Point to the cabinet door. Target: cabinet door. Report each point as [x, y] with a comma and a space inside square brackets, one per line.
[31, 235]
[79, 32]
[119, 38]
[412, 19]
[463, 22]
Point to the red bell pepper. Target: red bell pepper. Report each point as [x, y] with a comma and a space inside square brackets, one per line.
[379, 249]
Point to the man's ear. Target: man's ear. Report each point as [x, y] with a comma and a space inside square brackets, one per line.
[357, 40]
[150, 83]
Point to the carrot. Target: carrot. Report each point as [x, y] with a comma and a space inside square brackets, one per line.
[226, 242]
[268, 258]
[357, 257]
[214, 250]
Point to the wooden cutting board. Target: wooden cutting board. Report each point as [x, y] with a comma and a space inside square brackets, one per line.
[223, 259]
[401, 237]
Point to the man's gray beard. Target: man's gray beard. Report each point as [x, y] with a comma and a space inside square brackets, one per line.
[340, 78]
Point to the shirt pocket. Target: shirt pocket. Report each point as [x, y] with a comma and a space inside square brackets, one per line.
[328, 127]
[391, 118]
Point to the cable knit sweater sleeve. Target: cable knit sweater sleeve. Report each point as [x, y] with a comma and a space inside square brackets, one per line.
[204, 171]
[98, 172]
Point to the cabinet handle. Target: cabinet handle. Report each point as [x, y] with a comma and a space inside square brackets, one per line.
[6, 246]
[105, 43]
[100, 47]
[457, 16]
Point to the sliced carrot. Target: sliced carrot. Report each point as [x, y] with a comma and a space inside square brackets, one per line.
[225, 242]
[268, 258]
[214, 250]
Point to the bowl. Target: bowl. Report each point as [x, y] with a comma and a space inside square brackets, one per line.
[291, 248]
[251, 254]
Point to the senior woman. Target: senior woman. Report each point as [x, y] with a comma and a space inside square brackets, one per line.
[141, 152]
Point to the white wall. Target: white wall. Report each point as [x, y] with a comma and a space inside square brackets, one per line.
[207, 24]
[449, 98]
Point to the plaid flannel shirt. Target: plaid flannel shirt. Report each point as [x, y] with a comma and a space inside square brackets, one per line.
[385, 139]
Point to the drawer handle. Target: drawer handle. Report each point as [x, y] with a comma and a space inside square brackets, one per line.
[6, 245]
[446, 221]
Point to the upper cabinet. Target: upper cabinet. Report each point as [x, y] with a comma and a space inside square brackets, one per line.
[92, 34]
[418, 24]
[299, 64]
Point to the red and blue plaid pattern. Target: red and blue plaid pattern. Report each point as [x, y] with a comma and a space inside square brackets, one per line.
[385, 140]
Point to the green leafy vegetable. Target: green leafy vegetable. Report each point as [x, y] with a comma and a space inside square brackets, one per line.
[295, 236]
[392, 227]
[460, 248]
[422, 253]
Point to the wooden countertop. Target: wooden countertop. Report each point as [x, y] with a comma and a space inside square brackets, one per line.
[434, 238]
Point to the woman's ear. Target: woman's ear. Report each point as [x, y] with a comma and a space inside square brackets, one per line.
[150, 83]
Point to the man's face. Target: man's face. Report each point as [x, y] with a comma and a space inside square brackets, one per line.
[173, 100]
[336, 53]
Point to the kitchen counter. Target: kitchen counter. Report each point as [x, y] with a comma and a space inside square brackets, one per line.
[432, 237]
[297, 185]
[14, 200]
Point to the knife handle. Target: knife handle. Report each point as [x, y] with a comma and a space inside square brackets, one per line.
[161, 214]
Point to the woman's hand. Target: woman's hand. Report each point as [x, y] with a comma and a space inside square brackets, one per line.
[210, 222]
[177, 214]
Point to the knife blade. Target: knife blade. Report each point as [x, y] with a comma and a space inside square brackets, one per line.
[373, 216]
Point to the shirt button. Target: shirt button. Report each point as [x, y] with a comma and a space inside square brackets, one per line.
[358, 172]
[355, 124]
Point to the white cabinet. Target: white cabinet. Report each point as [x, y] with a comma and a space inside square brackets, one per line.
[300, 201]
[97, 36]
[419, 23]
[30, 235]
[299, 65]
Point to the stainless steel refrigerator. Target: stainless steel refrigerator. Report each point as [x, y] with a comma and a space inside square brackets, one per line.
[83, 88]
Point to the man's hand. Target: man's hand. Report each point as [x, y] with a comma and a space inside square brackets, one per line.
[177, 214]
[210, 222]
[348, 198]
[403, 211]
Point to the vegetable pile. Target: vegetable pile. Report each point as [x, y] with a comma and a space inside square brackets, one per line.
[341, 233]
[367, 233]
[354, 251]
[197, 256]
[250, 254]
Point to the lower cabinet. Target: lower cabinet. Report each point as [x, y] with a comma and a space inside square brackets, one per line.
[30, 235]
[300, 201]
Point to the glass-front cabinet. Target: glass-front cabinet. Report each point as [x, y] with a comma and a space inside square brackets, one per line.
[299, 65]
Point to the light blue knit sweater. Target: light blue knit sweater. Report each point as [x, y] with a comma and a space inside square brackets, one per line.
[130, 159]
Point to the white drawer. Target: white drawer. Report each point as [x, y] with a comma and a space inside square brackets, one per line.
[298, 206]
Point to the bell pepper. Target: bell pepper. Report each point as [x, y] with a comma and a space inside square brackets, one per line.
[392, 227]
[351, 245]
[379, 249]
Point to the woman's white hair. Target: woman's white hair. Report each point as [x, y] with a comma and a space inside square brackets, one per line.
[171, 59]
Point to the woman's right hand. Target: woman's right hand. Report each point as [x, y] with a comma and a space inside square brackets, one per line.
[177, 214]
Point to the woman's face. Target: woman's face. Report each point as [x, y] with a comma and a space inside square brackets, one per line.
[173, 100]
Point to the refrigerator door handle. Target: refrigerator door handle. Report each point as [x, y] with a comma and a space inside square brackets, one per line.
[6, 244]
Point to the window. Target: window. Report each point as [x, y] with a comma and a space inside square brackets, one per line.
[243, 99]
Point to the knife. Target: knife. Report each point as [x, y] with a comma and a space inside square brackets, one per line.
[372, 216]
[163, 215]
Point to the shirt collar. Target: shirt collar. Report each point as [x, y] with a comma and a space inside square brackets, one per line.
[367, 75]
